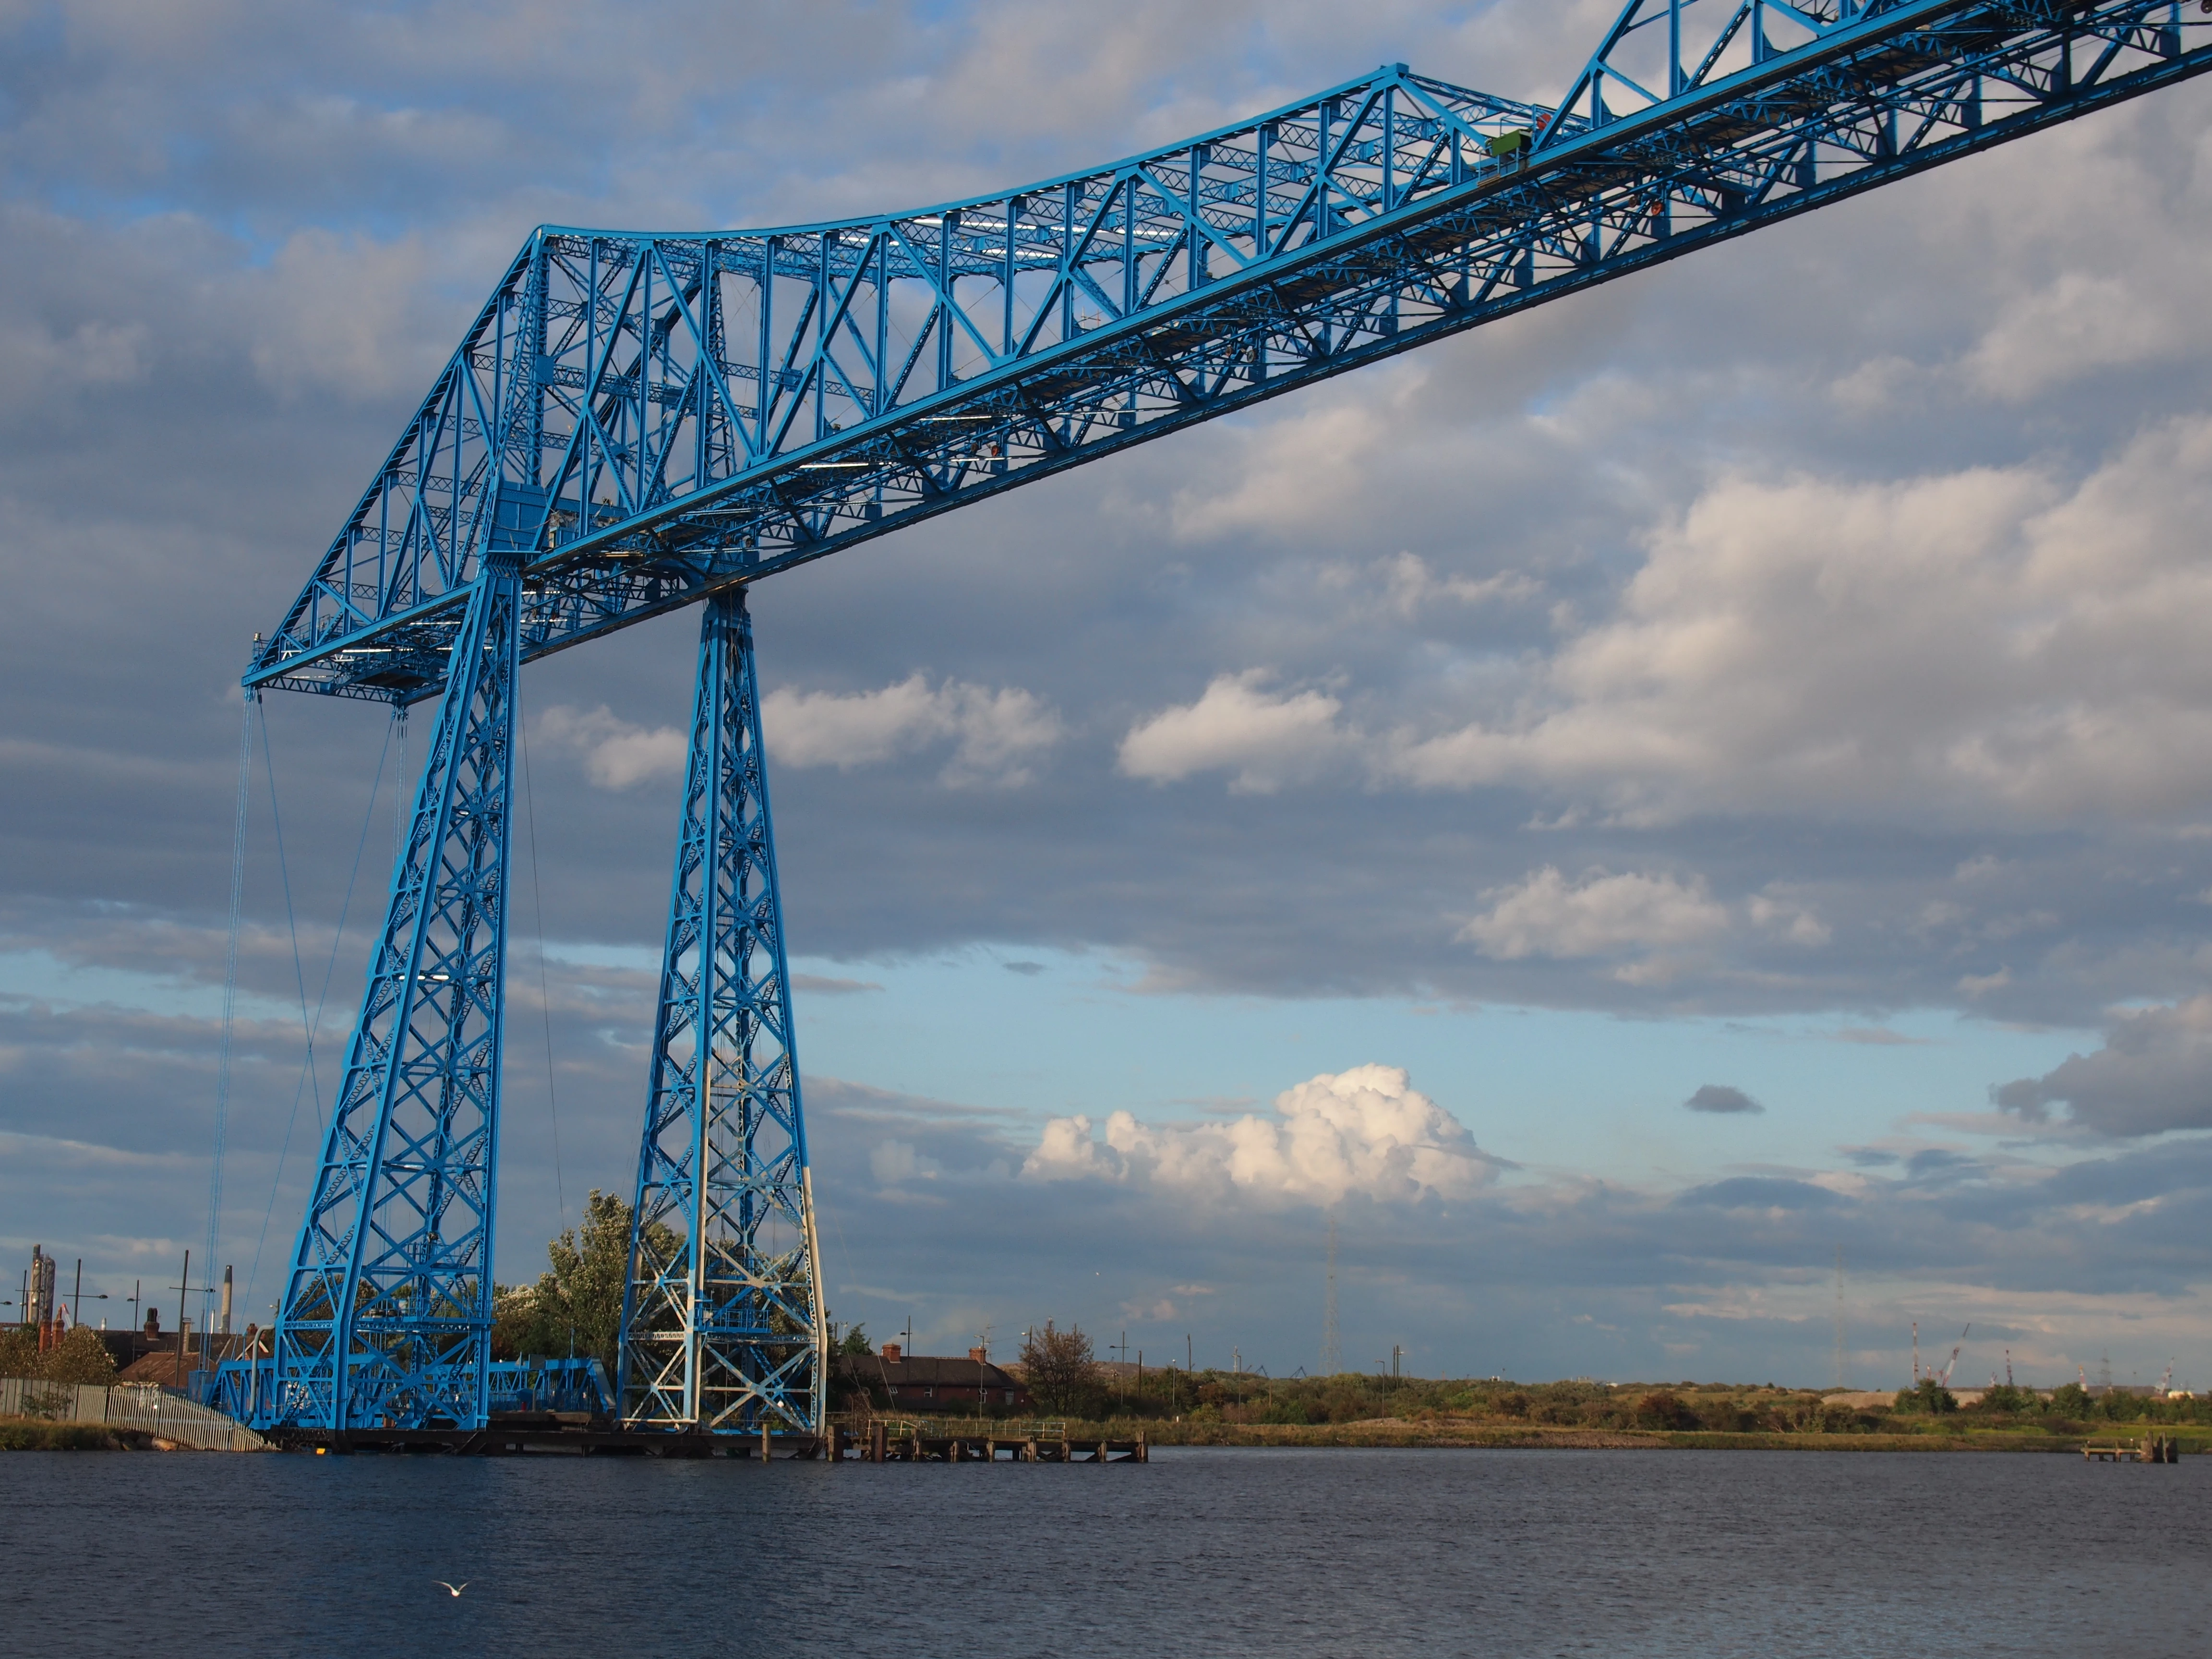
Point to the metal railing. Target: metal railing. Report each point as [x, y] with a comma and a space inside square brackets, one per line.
[145, 1407]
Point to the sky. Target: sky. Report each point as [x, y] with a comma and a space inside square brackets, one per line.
[1681, 821]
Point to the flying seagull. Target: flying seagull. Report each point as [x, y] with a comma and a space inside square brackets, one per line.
[453, 1589]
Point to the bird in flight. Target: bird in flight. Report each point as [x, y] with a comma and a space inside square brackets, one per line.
[453, 1589]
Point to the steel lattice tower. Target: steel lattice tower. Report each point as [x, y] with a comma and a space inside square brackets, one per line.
[387, 1309]
[721, 1324]
[638, 421]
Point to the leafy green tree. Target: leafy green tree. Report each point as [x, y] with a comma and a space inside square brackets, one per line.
[577, 1306]
[1061, 1368]
[1664, 1410]
[856, 1342]
[19, 1351]
[2071, 1400]
[79, 1357]
[1928, 1398]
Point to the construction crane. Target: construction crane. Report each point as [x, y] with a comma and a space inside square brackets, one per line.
[640, 421]
[1943, 1376]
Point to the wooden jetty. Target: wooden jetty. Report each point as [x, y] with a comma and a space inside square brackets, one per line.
[2157, 1448]
[890, 1440]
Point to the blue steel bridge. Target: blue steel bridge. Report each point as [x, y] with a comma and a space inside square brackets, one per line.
[640, 421]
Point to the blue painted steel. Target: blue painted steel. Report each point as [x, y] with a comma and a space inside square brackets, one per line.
[387, 1309]
[636, 421]
[239, 1388]
[722, 1316]
[655, 417]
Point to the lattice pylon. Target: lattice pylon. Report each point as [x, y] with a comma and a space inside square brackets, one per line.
[387, 1309]
[722, 1321]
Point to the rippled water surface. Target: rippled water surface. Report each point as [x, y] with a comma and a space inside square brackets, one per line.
[1200, 1552]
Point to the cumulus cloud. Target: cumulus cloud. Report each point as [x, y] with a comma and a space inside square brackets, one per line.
[1719, 1097]
[1263, 739]
[616, 754]
[1366, 1133]
[997, 735]
[1407, 585]
[1545, 914]
[1762, 654]
[2153, 1073]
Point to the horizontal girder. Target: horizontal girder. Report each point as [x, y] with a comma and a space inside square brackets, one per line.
[647, 418]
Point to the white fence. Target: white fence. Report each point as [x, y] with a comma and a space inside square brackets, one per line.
[143, 1406]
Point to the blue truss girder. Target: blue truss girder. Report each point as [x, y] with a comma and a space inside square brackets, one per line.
[388, 1308]
[722, 1314]
[649, 417]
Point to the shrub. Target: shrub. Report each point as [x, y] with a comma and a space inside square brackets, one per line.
[1929, 1399]
[1664, 1410]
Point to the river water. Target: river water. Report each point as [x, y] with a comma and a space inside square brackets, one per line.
[1200, 1552]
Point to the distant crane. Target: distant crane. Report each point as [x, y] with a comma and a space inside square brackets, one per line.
[1943, 1376]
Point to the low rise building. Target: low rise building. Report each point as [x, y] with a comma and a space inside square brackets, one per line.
[930, 1384]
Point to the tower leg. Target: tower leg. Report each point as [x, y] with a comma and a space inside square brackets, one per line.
[722, 1327]
[386, 1316]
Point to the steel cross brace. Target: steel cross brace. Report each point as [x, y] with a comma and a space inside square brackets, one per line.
[722, 1323]
[387, 1309]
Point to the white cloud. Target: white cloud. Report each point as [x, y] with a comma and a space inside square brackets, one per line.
[1983, 643]
[616, 754]
[1264, 740]
[996, 734]
[1406, 586]
[1366, 1132]
[1544, 915]
[894, 1162]
[999, 734]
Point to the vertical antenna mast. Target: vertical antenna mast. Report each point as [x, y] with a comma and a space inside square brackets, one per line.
[1332, 1350]
[1840, 1382]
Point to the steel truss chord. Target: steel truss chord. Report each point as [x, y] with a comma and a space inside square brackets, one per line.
[387, 1314]
[722, 1327]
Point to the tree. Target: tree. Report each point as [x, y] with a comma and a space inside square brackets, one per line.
[577, 1307]
[79, 1357]
[1664, 1410]
[2070, 1399]
[1060, 1368]
[19, 1351]
[1930, 1398]
[856, 1342]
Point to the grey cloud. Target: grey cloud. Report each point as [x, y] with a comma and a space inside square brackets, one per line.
[1719, 1097]
[822, 985]
[2154, 1074]
[1761, 1192]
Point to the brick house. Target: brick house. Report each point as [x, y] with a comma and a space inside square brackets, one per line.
[931, 1384]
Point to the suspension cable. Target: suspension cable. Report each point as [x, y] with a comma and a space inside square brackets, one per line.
[230, 995]
[307, 1069]
[545, 999]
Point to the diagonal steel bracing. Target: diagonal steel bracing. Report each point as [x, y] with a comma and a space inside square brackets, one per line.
[722, 1316]
[659, 414]
[386, 1312]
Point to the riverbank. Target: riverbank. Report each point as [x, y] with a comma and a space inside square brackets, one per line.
[1474, 1434]
[29, 1434]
